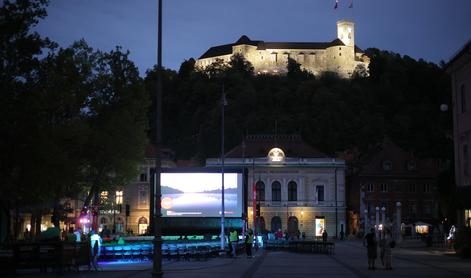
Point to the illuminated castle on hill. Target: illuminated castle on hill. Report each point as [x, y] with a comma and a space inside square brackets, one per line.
[340, 55]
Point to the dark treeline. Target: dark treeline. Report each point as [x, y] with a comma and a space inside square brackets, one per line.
[72, 120]
[401, 99]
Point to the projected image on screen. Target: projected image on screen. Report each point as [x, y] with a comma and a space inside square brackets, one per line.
[199, 194]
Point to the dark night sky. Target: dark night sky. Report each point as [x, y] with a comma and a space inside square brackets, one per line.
[430, 29]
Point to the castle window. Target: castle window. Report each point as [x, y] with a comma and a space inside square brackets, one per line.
[274, 57]
[340, 54]
[340, 48]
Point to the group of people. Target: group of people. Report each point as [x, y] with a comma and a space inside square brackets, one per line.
[234, 241]
[386, 243]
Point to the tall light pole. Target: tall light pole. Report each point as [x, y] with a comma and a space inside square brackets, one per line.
[157, 227]
[223, 103]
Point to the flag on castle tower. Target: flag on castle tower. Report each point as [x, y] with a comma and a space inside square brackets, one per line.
[336, 4]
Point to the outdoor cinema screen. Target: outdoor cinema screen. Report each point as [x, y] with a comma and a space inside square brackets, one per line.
[199, 194]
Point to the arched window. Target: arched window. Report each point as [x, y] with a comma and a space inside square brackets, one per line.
[275, 223]
[260, 187]
[276, 191]
[142, 225]
[293, 226]
[261, 224]
[104, 221]
[292, 191]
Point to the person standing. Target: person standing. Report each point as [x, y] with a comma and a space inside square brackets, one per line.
[324, 236]
[95, 244]
[248, 243]
[371, 244]
[386, 244]
[233, 239]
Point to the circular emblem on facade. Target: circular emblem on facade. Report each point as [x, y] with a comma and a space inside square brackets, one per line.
[276, 155]
[167, 203]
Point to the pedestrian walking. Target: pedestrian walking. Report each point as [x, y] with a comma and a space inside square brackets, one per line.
[248, 243]
[387, 243]
[233, 239]
[371, 244]
[95, 244]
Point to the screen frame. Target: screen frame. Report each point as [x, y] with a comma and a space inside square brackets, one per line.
[213, 170]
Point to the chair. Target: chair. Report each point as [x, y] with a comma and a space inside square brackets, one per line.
[108, 252]
[118, 252]
[127, 253]
[172, 251]
[146, 251]
[136, 251]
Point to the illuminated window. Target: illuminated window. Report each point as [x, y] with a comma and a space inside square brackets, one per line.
[371, 187]
[412, 188]
[104, 196]
[467, 216]
[384, 187]
[119, 197]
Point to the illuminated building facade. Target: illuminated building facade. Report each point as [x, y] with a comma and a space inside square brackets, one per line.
[296, 185]
[340, 55]
[386, 177]
[459, 67]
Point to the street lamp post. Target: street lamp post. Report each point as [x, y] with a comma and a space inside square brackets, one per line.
[155, 209]
[398, 221]
[366, 220]
[383, 216]
[223, 103]
[377, 221]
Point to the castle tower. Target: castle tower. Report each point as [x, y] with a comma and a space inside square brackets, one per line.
[346, 32]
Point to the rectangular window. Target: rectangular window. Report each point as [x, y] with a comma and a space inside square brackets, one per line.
[143, 175]
[427, 188]
[104, 196]
[320, 193]
[371, 187]
[384, 187]
[412, 188]
[143, 197]
[119, 197]
[467, 216]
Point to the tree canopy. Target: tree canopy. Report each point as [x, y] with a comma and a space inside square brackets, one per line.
[400, 99]
[73, 119]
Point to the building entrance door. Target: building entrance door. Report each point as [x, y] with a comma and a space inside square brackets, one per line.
[293, 226]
